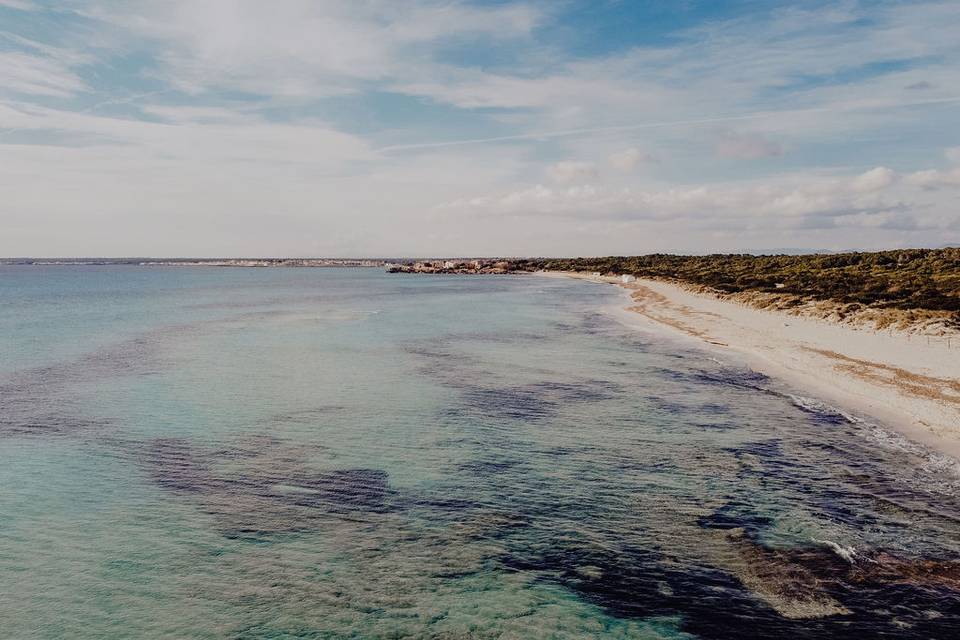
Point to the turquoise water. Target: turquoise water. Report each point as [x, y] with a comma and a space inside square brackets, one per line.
[342, 453]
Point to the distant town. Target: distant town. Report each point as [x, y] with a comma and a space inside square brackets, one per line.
[452, 266]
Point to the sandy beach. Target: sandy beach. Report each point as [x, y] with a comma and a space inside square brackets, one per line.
[910, 383]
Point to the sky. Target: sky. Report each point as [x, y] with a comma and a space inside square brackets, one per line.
[367, 128]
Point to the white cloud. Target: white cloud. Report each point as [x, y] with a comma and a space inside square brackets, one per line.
[724, 71]
[874, 180]
[186, 137]
[953, 154]
[628, 159]
[574, 93]
[861, 200]
[934, 179]
[258, 158]
[569, 172]
[222, 182]
[300, 48]
[24, 73]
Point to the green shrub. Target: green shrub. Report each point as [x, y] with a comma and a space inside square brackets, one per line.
[901, 279]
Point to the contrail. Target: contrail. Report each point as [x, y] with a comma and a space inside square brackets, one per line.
[565, 133]
[124, 100]
[546, 135]
[94, 107]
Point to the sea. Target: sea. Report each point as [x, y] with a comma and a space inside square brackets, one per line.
[320, 453]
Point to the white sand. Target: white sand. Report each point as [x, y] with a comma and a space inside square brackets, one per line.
[901, 380]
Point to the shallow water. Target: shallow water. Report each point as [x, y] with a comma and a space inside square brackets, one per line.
[342, 453]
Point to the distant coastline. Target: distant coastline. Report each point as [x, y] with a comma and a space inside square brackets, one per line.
[202, 262]
[911, 290]
[392, 265]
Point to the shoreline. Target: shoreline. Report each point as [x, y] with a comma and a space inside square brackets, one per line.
[906, 383]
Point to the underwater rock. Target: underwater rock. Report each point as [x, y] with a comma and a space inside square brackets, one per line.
[267, 488]
[792, 588]
[535, 401]
[752, 590]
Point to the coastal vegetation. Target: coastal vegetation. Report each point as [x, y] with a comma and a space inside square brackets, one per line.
[906, 287]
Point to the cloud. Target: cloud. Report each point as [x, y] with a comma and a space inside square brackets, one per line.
[469, 89]
[896, 220]
[874, 180]
[190, 135]
[20, 5]
[746, 146]
[206, 181]
[23, 73]
[933, 179]
[32, 68]
[810, 202]
[936, 179]
[257, 126]
[569, 171]
[300, 49]
[628, 159]
[726, 65]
